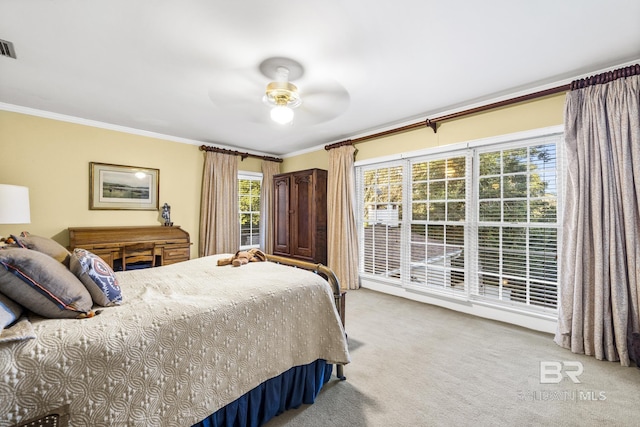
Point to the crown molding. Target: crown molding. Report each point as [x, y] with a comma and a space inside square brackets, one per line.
[110, 126]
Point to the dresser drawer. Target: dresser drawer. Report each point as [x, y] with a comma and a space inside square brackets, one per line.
[175, 254]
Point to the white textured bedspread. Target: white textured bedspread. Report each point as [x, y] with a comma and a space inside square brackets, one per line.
[188, 339]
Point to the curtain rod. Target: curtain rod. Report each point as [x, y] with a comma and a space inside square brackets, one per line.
[242, 155]
[606, 77]
[433, 123]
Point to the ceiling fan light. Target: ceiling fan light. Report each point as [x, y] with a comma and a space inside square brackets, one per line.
[282, 114]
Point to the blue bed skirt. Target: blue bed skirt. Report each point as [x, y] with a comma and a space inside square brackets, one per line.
[298, 385]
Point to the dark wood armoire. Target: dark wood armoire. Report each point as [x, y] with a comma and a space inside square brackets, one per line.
[300, 217]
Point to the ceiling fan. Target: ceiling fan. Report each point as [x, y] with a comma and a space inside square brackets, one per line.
[313, 100]
[281, 95]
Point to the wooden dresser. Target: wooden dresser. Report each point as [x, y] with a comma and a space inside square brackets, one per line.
[300, 215]
[171, 244]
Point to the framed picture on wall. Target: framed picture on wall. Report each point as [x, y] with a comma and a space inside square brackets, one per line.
[123, 187]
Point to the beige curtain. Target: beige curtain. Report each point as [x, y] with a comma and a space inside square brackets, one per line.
[269, 169]
[219, 223]
[342, 235]
[600, 256]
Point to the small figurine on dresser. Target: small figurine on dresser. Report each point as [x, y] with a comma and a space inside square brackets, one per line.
[166, 214]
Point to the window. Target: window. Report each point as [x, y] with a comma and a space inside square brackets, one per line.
[382, 196]
[249, 205]
[479, 223]
[517, 224]
[438, 213]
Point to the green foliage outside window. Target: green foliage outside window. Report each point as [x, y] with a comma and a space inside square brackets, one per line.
[516, 214]
[249, 205]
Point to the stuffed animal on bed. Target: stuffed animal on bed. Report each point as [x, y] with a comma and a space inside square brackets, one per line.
[243, 257]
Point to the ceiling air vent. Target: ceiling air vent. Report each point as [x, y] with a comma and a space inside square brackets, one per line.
[6, 49]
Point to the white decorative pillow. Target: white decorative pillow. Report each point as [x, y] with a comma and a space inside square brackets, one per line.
[43, 285]
[97, 277]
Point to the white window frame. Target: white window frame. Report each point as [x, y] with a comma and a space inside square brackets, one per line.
[441, 288]
[360, 205]
[471, 149]
[254, 176]
[474, 247]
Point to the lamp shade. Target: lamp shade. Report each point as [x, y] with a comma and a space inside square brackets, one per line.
[14, 204]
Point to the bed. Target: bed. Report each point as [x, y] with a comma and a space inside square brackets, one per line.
[191, 344]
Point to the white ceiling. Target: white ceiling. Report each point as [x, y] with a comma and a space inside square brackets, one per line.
[189, 69]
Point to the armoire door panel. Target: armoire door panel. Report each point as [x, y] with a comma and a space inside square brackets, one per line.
[281, 216]
[302, 228]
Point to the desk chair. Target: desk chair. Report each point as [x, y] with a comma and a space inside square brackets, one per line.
[138, 252]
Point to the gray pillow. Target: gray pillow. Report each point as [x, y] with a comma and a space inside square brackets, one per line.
[45, 245]
[43, 285]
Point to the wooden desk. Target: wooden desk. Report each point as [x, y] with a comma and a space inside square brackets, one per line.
[172, 244]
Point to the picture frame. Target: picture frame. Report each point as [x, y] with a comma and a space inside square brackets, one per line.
[120, 187]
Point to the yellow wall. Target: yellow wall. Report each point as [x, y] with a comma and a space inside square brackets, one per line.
[250, 164]
[314, 159]
[539, 113]
[52, 158]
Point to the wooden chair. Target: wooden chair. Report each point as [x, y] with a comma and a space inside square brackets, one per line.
[139, 252]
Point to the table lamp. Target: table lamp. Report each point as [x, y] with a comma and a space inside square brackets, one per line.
[14, 204]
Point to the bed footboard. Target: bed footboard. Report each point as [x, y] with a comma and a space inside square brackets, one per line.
[327, 273]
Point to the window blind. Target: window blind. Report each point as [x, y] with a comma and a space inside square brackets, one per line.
[479, 223]
[438, 200]
[249, 206]
[381, 220]
[517, 223]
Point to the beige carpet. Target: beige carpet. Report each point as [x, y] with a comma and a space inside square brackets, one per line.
[418, 365]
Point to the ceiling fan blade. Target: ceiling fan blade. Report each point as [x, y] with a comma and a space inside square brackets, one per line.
[250, 110]
[236, 86]
[322, 102]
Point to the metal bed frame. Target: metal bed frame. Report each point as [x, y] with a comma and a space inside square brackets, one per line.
[330, 276]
